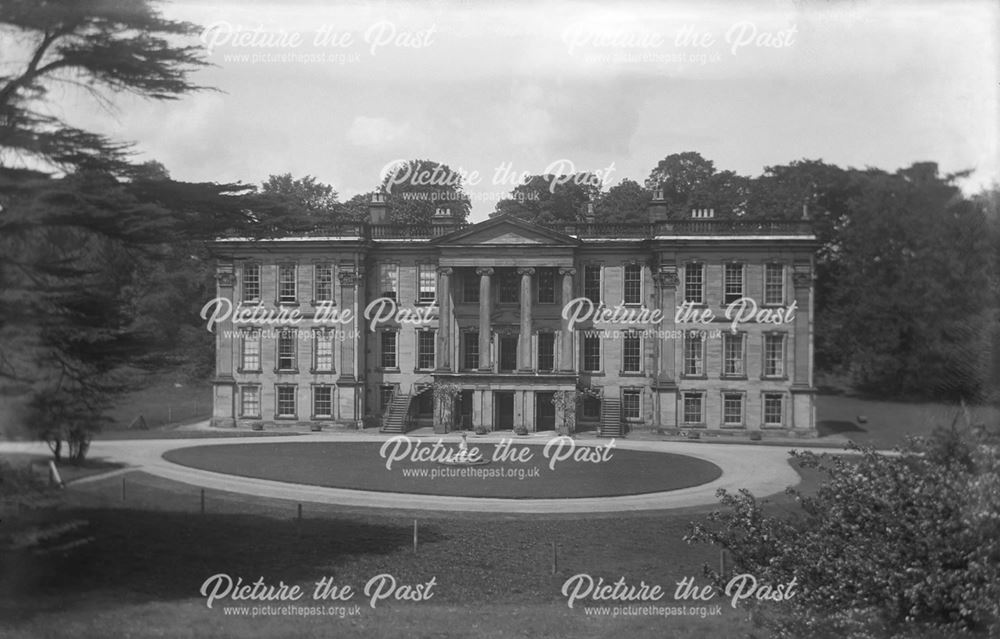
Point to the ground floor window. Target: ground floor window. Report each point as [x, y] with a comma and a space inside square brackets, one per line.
[693, 408]
[250, 401]
[774, 409]
[631, 404]
[285, 405]
[385, 396]
[732, 410]
[591, 407]
[471, 357]
[322, 401]
[546, 351]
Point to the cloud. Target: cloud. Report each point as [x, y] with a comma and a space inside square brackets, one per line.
[377, 133]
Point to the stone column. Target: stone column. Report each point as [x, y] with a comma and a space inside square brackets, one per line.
[666, 370]
[566, 341]
[224, 385]
[348, 284]
[444, 318]
[803, 409]
[485, 309]
[524, 343]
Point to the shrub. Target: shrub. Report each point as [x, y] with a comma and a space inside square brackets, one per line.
[901, 545]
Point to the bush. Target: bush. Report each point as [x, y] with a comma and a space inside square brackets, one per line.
[890, 546]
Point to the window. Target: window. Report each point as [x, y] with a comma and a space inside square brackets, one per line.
[471, 360]
[427, 274]
[633, 284]
[323, 401]
[287, 285]
[251, 350]
[323, 350]
[285, 404]
[287, 357]
[732, 409]
[774, 284]
[733, 354]
[694, 283]
[388, 278]
[631, 402]
[591, 407]
[774, 412]
[694, 353]
[592, 283]
[546, 286]
[389, 349]
[631, 354]
[250, 401]
[591, 353]
[507, 287]
[385, 394]
[774, 355]
[546, 351]
[470, 287]
[693, 409]
[732, 283]
[425, 350]
[251, 282]
[323, 283]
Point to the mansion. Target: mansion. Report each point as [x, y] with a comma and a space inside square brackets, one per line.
[674, 324]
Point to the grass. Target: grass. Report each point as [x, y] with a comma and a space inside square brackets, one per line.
[39, 465]
[360, 466]
[141, 574]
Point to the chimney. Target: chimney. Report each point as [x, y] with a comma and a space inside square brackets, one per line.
[589, 216]
[702, 214]
[378, 209]
[443, 221]
[658, 207]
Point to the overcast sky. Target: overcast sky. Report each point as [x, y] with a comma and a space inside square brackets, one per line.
[610, 86]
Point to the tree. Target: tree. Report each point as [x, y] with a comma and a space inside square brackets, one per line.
[415, 189]
[690, 181]
[95, 45]
[889, 546]
[549, 199]
[627, 201]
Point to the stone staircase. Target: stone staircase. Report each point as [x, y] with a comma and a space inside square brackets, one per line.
[394, 420]
[611, 418]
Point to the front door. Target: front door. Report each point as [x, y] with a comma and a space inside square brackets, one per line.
[464, 410]
[508, 353]
[504, 403]
[545, 411]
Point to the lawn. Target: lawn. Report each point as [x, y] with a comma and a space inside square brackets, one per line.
[359, 465]
[494, 574]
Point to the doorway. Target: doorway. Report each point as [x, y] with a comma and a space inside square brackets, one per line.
[545, 411]
[464, 411]
[503, 402]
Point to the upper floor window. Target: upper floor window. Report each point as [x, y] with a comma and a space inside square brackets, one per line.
[694, 283]
[774, 284]
[287, 283]
[633, 284]
[470, 360]
[546, 351]
[287, 355]
[470, 287]
[694, 353]
[251, 282]
[631, 354]
[592, 282]
[733, 354]
[323, 350]
[388, 278]
[546, 286]
[591, 353]
[323, 283]
[425, 350]
[774, 355]
[251, 350]
[507, 287]
[427, 276]
[388, 354]
[732, 283]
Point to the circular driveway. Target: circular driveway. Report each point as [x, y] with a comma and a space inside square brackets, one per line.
[764, 470]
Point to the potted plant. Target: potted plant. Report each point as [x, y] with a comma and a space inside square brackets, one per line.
[521, 430]
[481, 430]
[755, 436]
[315, 427]
[257, 425]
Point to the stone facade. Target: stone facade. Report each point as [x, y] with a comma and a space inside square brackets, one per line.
[482, 307]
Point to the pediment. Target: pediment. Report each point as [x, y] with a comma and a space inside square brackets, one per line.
[506, 231]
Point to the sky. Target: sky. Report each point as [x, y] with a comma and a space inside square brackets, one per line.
[340, 90]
